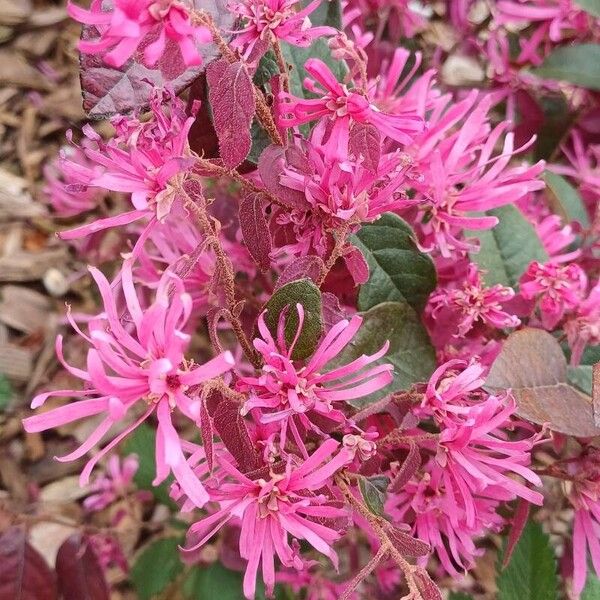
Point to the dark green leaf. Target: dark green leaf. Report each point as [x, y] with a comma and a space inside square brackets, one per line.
[327, 13]
[459, 596]
[6, 392]
[267, 68]
[558, 118]
[507, 249]
[591, 591]
[142, 442]
[304, 292]
[581, 378]
[216, 582]
[260, 140]
[373, 491]
[590, 6]
[397, 269]
[531, 572]
[578, 64]
[410, 351]
[565, 199]
[156, 567]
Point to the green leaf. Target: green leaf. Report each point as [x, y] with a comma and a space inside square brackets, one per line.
[142, 441]
[531, 572]
[590, 6]
[206, 583]
[328, 13]
[267, 68]
[565, 199]
[581, 377]
[558, 118]
[6, 392]
[156, 567]
[373, 491]
[410, 351]
[260, 140]
[578, 64]
[591, 591]
[507, 249]
[303, 292]
[459, 596]
[397, 269]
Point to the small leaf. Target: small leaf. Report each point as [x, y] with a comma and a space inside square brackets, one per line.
[357, 266]
[6, 392]
[565, 199]
[507, 249]
[156, 567]
[255, 230]
[519, 521]
[332, 311]
[406, 544]
[578, 64]
[305, 267]
[365, 142]
[79, 572]
[410, 351]
[232, 430]
[307, 294]
[215, 581]
[231, 96]
[590, 6]
[108, 90]
[373, 491]
[531, 572]
[428, 589]
[271, 165]
[532, 364]
[142, 442]
[398, 270]
[409, 467]
[24, 574]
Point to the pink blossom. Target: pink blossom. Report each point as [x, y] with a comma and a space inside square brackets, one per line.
[270, 510]
[114, 484]
[277, 18]
[134, 23]
[342, 106]
[473, 302]
[583, 328]
[558, 289]
[554, 20]
[289, 392]
[147, 160]
[146, 366]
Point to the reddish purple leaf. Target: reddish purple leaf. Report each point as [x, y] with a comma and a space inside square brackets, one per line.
[202, 136]
[519, 521]
[305, 267]
[331, 310]
[24, 573]
[271, 165]
[255, 230]
[232, 430]
[365, 141]
[80, 576]
[231, 95]
[108, 90]
[409, 467]
[596, 392]
[357, 265]
[406, 544]
[428, 589]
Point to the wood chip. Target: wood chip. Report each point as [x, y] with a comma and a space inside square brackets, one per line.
[16, 362]
[24, 309]
[14, 12]
[30, 266]
[15, 70]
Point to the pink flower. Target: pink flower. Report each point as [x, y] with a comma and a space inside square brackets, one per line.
[277, 18]
[114, 484]
[455, 174]
[554, 20]
[583, 328]
[584, 495]
[473, 302]
[288, 392]
[270, 510]
[131, 23]
[341, 106]
[558, 289]
[147, 160]
[139, 365]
